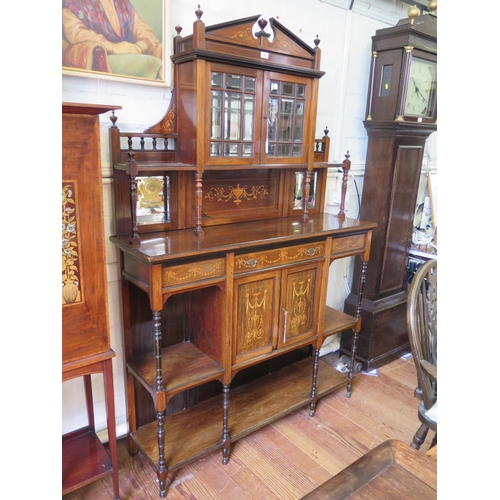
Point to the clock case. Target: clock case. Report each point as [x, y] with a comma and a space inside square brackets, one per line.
[396, 47]
[395, 150]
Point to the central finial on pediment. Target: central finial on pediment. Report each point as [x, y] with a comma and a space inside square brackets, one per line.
[262, 25]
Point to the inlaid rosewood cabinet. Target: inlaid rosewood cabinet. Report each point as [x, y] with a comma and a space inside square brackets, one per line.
[85, 329]
[225, 248]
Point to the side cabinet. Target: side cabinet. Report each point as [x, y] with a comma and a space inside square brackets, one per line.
[85, 330]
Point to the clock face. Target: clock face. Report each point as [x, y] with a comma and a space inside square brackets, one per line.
[421, 88]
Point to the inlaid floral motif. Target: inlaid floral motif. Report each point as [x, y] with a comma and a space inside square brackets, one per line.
[237, 194]
[71, 291]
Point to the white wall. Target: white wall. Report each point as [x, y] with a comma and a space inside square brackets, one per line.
[346, 52]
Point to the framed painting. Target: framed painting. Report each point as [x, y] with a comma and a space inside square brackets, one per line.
[117, 39]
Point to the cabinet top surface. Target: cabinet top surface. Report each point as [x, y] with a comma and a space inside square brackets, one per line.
[164, 246]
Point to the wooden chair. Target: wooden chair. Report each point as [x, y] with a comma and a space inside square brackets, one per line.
[422, 332]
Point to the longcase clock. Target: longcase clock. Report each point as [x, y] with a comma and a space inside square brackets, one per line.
[401, 113]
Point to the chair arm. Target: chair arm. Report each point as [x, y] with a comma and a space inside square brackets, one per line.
[429, 369]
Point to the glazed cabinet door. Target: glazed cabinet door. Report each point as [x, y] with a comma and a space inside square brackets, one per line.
[255, 315]
[299, 304]
[285, 110]
[235, 104]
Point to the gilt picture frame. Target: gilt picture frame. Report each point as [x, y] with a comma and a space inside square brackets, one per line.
[120, 40]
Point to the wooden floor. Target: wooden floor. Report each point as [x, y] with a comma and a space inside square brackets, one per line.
[290, 457]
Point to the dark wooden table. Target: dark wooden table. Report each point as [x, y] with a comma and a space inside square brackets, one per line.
[392, 470]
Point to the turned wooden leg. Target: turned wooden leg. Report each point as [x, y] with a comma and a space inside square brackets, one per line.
[362, 279]
[419, 437]
[314, 394]
[226, 440]
[162, 464]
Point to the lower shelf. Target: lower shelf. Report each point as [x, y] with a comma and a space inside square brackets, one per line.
[84, 459]
[196, 431]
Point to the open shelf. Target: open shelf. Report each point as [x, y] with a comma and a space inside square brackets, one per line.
[337, 321]
[84, 459]
[183, 366]
[197, 431]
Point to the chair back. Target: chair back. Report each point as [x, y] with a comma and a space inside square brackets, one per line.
[422, 328]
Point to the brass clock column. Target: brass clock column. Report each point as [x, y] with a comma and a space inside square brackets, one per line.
[401, 113]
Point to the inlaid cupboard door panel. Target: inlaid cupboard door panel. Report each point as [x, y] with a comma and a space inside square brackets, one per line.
[255, 315]
[299, 304]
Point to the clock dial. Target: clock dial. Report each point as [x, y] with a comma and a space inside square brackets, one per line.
[421, 87]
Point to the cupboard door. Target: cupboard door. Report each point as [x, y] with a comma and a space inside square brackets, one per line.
[255, 315]
[299, 304]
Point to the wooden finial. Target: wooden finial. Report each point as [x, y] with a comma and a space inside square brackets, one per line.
[198, 12]
[113, 119]
[178, 29]
[326, 132]
[262, 25]
[316, 41]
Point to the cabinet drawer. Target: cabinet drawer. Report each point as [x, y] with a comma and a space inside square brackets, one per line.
[193, 272]
[278, 257]
[348, 245]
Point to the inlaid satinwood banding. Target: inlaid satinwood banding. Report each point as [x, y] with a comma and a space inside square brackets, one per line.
[261, 260]
[187, 273]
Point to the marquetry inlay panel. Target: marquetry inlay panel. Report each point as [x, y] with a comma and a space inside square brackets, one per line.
[71, 281]
[299, 303]
[255, 316]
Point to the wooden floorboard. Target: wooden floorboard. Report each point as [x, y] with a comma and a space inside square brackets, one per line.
[289, 458]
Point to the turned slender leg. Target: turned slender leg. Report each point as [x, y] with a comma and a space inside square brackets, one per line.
[160, 412]
[226, 440]
[314, 394]
[350, 375]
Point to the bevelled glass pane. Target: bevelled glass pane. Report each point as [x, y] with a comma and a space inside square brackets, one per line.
[272, 119]
[216, 115]
[301, 90]
[153, 200]
[248, 118]
[231, 150]
[297, 149]
[284, 150]
[249, 84]
[233, 116]
[215, 149]
[287, 88]
[247, 150]
[299, 127]
[298, 200]
[271, 149]
[285, 131]
[233, 82]
[274, 87]
[216, 80]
